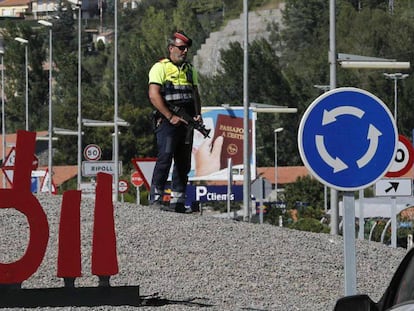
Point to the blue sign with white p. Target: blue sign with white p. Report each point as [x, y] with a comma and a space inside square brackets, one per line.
[347, 139]
[205, 193]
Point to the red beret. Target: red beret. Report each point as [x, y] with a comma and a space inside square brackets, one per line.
[182, 36]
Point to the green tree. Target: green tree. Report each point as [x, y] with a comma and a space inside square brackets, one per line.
[185, 18]
[304, 49]
[379, 39]
[311, 225]
[304, 210]
[65, 73]
[14, 72]
[305, 191]
[157, 25]
[368, 30]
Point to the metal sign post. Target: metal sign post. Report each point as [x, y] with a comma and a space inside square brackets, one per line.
[347, 139]
[394, 222]
[361, 215]
[138, 196]
[229, 184]
[349, 243]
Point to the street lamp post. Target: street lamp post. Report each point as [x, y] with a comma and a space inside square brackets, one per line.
[3, 118]
[246, 138]
[325, 88]
[396, 76]
[278, 130]
[116, 137]
[25, 42]
[78, 5]
[49, 25]
[79, 96]
[322, 87]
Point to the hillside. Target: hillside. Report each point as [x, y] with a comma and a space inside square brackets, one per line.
[207, 59]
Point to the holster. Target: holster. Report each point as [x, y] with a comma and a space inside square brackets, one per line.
[189, 135]
[156, 119]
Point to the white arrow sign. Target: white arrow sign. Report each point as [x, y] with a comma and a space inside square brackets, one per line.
[373, 135]
[336, 163]
[330, 116]
[394, 187]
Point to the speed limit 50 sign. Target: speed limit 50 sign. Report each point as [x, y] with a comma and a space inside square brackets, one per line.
[92, 152]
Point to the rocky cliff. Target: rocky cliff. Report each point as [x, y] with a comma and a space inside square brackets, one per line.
[207, 59]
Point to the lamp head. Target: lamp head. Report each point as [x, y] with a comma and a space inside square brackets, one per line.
[45, 23]
[21, 40]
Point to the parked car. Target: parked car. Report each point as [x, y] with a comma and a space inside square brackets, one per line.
[399, 295]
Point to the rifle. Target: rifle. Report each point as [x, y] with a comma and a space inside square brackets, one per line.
[191, 123]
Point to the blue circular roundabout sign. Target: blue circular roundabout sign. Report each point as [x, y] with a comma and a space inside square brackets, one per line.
[347, 139]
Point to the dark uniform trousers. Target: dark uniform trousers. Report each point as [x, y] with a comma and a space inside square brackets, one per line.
[172, 145]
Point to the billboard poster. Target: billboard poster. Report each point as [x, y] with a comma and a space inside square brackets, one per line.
[210, 155]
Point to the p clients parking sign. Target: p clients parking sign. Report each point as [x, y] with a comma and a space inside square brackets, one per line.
[212, 193]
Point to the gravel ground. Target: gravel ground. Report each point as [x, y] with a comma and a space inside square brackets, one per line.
[197, 261]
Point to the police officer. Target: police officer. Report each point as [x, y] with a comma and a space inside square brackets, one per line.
[173, 83]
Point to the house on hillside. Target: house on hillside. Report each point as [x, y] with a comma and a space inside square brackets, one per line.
[39, 9]
[130, 4]
[285, 175]
[15, 8]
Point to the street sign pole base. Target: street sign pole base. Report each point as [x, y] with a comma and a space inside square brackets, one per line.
[12, 297]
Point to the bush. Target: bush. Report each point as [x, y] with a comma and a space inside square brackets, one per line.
[310, 224]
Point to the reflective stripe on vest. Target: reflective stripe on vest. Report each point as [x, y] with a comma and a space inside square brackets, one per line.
[178, 86]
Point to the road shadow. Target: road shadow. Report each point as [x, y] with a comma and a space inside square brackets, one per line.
[156, 301]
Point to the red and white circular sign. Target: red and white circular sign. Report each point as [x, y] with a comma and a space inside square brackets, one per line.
[404, 158]
[123, 186]
[92, 152]
[136, 179]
